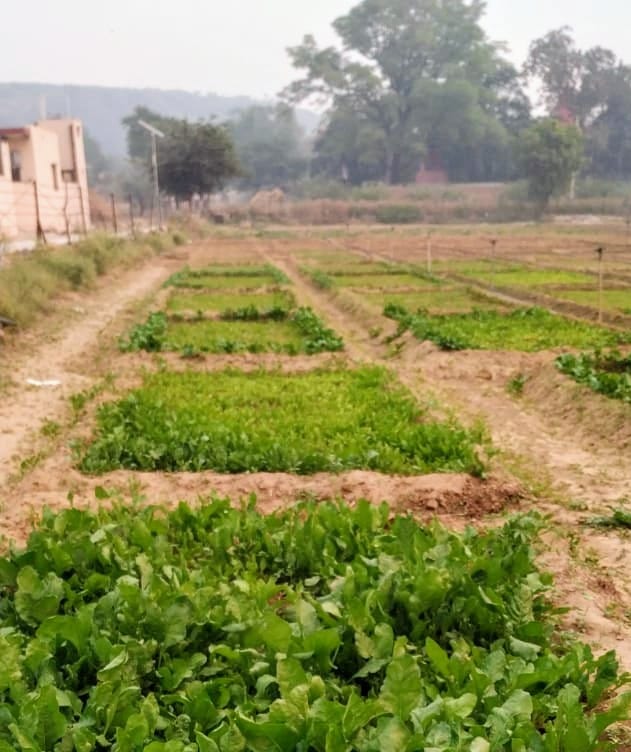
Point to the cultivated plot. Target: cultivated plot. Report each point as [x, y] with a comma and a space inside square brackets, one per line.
[233, 422]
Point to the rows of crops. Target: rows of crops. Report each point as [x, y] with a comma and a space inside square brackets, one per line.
[468, 314]
[321, 628]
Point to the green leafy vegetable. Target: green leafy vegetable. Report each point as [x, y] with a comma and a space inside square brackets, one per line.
[212, 630]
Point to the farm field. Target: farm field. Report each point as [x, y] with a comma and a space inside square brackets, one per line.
[217, 568]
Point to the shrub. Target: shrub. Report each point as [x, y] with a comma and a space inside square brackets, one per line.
[398, 214]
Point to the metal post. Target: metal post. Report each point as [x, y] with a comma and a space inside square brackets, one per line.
[131, 216]
[84, 222]
[156, 178]
[114, 215]
[600, 252]
[429, 252]
[493, 256]
[41, 235]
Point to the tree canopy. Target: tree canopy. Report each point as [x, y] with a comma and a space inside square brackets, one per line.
[270, 144]
[401, 65]
[193, 158]
[551, 153]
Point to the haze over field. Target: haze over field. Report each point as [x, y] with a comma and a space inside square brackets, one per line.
[238, 48]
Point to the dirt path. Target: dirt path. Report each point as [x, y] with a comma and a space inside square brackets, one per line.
[570, 476]
[67, 353]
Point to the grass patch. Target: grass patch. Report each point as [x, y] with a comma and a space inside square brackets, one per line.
[244, 330]
[447, 300]
[232, 336]
[619, 519]
[613, 300]
[537, 278]
[212, 282]
[524, 329]
[220, 302]
[29, 282]
[335, 269]
[607, 373]
[318, 628]
[231, 422]
[397, 279]
[242, 277]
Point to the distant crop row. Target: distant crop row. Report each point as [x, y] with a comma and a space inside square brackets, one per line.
[607, 373]
[524, 329]
[246, 329]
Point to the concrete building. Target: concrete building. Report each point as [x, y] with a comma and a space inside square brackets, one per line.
[43, 180]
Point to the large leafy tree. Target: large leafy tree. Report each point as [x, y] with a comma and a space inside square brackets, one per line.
[574, 83]
[196, 158]
[550, 153]
[395, 57]
[270, 144]
[193, 158]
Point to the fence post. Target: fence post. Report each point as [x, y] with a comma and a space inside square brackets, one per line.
[84, 222]
[131, 216]
[41, 235]
[114, 215]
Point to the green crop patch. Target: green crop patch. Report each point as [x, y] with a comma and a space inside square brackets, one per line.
[534, 278]
[613, 300]
[220, 302]
[238, 330]
[232, 336]
[337, 269]
[381, 281]
[321, 628]
[218, 277]
[475, 268]
[445, 300]
[607, 373]
[234, 422]
[524, 329]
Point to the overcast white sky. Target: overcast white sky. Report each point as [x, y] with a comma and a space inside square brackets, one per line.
[235, 46]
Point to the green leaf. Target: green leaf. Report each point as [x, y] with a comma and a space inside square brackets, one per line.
[360, 713]
[37, 598]
[461, 707]
[438, 658]
[290, 675]
[402, 689]
[393, 736]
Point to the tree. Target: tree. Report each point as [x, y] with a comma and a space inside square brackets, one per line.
[138, 140]
[550, 153]
[193, 158]
[396, 55]
[574, 83]
[196, 158]
[270, 145]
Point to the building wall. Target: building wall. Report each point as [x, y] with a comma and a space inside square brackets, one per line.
[53, 181]
[8, 220]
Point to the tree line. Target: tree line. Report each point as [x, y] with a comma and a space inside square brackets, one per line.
[412, 83]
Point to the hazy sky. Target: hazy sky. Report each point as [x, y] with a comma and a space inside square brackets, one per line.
[235, 46]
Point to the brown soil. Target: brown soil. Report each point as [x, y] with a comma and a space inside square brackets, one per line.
[450, 495]
[569, 448]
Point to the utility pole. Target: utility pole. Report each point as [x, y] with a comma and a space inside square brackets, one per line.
[493, 257]
[600, 252]
[155, 134]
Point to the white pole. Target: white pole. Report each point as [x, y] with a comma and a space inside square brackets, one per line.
[429, 252]
[156, 179]
[600, 284]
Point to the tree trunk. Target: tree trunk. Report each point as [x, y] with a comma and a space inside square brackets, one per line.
[393, 166]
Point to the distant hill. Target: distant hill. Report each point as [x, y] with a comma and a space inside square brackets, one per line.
[102, 108]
